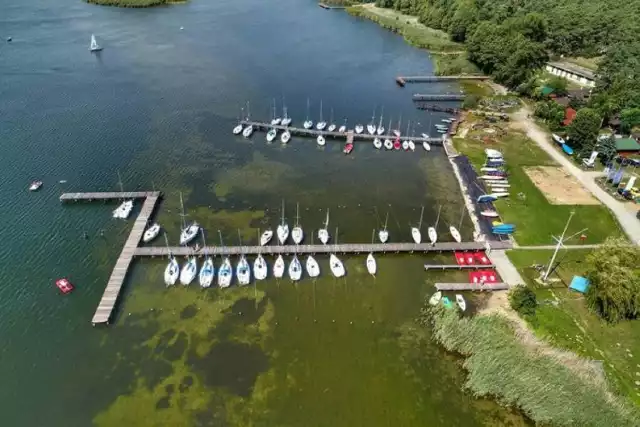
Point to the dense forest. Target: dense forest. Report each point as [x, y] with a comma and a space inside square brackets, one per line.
[512, 39]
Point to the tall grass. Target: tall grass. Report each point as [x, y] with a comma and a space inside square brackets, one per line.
[501, 366]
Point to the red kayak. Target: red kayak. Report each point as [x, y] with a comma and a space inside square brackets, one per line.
[64, 285]
[348, 148]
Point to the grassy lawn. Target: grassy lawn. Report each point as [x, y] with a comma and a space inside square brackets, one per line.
[563, 319]
[535, 218]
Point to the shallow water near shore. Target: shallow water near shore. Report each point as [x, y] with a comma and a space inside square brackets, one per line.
[158, 105]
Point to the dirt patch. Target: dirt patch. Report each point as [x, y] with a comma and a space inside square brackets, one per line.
[559, 186]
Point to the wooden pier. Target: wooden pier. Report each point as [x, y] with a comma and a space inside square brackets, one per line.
[402, 80]
[428, 267]
[472, 286]
[337, 135]
[421, 105]
[113, 195]
[437, 97]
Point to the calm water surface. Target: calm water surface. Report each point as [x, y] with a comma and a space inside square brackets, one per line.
[158, 105]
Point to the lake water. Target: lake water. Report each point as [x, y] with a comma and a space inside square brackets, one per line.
[158, 105]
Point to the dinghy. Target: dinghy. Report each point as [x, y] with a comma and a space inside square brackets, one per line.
[388, 145]
[278, 267]
[435, 298]
[171, 272]
[243, 271]
[225, 273]
[455, 234]
[372, 267]
[313, 269]
[297, 234]
[285, 137]
[348, 148]
[206, 273]
[359, 128]
[266, 237]
[151, 233]
[321, 140]
[377, 143]
[489, 214]
[260, 268]
[189, 271]
[461, 302]
[426, 146]
[295, 269]
[283, 229]
[558, 138]
[271, 135]
[247, 131]
[337, 268]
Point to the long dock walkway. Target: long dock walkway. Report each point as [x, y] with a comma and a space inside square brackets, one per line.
[436, 97]
[343, 248]
[357, 137]
[119, 273]
[112, 195]
[402, 80]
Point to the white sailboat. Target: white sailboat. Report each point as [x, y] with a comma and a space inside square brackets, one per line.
[455, 234]
[275, 120]
[383, 234]
[337, 268]
[260, 268]
[93, 45]
[371, 264]
[285, 137]
[321, 141]
[308, 124]
[313, 269]
[295, 269]
[238, 129]
[225, 273]
[172, 270]
[426, 146]
[405, 145]
[396, 132]
[286, 120]
[208, 270]
[189, 270]
[388, 144]
[321, 124]
[297, 234]
[266, 237]
[412, 145]
[246, 132]
[461, 302]
[433, 234]
[188, 232]
[332, 126]
[278, 267]
[124, 210]
[151, 233]
[415, 231]
[380, 129]
[323, 233]
[271, 135]
[435, 298]
[371, 127]
[243, 271]
[283, 228]
[377, 143]
[359, 128]
[343, 128]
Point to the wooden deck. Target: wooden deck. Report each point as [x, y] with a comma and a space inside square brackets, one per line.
[471, 286]
[428, 267]
[357, 137]
[114, 195]
[119, 273]
[347, 248]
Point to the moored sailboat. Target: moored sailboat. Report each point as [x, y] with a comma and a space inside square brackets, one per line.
[151, 233]
[278, 267]
[323, 233]
[383, 234]
[283, 228]
[371, 127]
[295, 269]
[297, 234]
[189, 270]
[321, 124]
[415, 231]
[308, 124]
[380, 129]
[337, 268]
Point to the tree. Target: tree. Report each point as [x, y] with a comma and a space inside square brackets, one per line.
[558, 84]
[630, 118]
[549, 111]
[583, 131]
[614, 277]
[523, 300]
[607, 149]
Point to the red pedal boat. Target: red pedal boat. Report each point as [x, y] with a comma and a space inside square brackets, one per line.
[64, 285]
[397, 144]
[348, 148]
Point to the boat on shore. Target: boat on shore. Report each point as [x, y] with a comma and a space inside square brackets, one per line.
[461, 302]
[489, 214]
[435, 298]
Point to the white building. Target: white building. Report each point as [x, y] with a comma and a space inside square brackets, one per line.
[577, 74]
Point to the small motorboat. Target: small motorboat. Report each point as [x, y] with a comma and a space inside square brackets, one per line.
[337, 268]
[285, 137]
[447, 120]
[426, 146]
[189, 233]
[295, 269]
[455, 234]
[433, 235]
[278, 267]
[321, 140]
[64, 285]
[396, 144]
[405, 145]
[206, 273]
[489, 214]
[487, 169]
[558, 138]
[461, 302]
[308, 124]
[498, 194]
[237, 130]
[435, 298]
[372, 267]
[271, 135]
[260, 268]
[359, 128]
[486, 198]
[490, 152]
[266, 237]
[276, 121]
[313, 269]
[188, 272]
[416, 235]
[348, 148]
[247, 131]
[503, 184]
[412, 145]
[567, 149]
[388, 145]
[171, 272]
[377, 143]
[35, 185]
[151, 233]
[332, 127]
[492, 177]
[225, 274]
[243, 271]
[441, 130]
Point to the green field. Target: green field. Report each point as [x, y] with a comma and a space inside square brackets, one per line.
[563, 319]
[535, 218]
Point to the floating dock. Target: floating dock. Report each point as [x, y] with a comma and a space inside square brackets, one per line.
[113, 195]
[472, 286]
[402, 80]
[437, 97]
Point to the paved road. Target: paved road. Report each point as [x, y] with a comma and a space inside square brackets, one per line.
[630, 224]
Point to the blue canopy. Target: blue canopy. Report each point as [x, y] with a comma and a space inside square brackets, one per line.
[579, 283]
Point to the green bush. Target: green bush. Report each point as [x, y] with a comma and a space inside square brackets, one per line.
[523, 300]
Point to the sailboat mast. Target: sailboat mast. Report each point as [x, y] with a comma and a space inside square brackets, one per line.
[373, 235]
[182, 215]
[461, 217]
[321, 110]
[204, 241]
[373, 116]
[438, 218]
[282, 222]
[381, 114]
[326, 224]
[389, 128]
[385, 221]
[307, 109]
[297, 214]
[120, 182]
[408, 126]
[421, 213]
[220, 234]
[166, 242]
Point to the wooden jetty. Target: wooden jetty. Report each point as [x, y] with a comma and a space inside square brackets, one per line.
[428, 267]
[437, 97]
[343, 248]
[113, 195]
[420, 105]
[402, 80]
[471, 286]
[338, 135]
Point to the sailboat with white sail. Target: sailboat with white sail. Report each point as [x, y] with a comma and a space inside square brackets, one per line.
[323, 233]
[337, 268]
[415, 231]
[275, 120]
[297, 234]
[283, 228]
[243, 270]
[286, 120]
[380, 129]
[383, 234]
[321, 124]
[124, 210]
[343, 127]
[332, 126]
[93, 44]
[225, 272]
[188, 232]
[208, 270]
[371, 127]
[308, 123]
[433, 234]
[172, 271]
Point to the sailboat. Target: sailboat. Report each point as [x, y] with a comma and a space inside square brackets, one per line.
[435, 298]
[321, 141]
[426, 146]
[371, 127]
[188, 232]
[332, 126]
[412, 145]
[249, 129]
[189, 270]
[343, 128]
[283, 229]
[313, 269]
[238, 129]
[323, 233]
[225, 272]
[380, 129]
[377, 143]
[285, 137]
[405, 143]
[93, 45]
[454, 231]
[308, 124]
[297, 234]
[124, 210]
[359, 128]
[295, 269]
[433, 234]
[388, 144]
[172, 270]
[265, 238]
[321, 124]
[396, 132]
[260, 268]
[278, 267]
[151, 233]
[275, 120]
[372, 267]
[208, 270]
[271, 135]
[337, 268]
[383, 234]
[415, 232]
[243, 271]
[286, 120]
